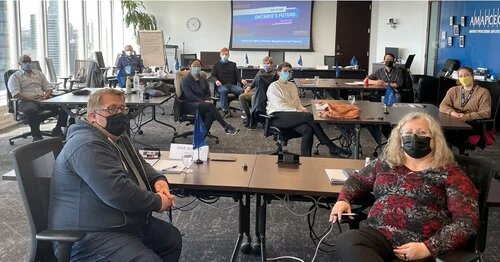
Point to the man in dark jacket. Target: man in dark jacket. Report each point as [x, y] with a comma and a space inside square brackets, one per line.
[227, 79]
[103, 186]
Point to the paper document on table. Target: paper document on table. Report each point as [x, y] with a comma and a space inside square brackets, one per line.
[356, 83]
[169, 166]
[319, 106]
[336, 176]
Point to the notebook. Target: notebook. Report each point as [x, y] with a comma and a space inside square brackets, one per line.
[336, 176]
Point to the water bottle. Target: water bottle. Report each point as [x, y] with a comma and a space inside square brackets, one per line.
[367, 161]
[128, 86]
[136, 80]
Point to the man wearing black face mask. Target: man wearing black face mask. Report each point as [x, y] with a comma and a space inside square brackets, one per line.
[102, 185]
[31, 87]
[389, 74]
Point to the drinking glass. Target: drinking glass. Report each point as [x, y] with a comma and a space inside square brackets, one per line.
[351, 99]
[316, 79]
[187, 161]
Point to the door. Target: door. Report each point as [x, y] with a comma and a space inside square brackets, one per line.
[432, 38]
[353, 32]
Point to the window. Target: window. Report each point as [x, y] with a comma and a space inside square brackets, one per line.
[31, 29]
[75, 33]
[107, 32]
[7, 43]
[92, 28]
[56, 36]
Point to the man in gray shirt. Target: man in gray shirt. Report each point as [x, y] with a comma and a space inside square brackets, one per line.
[389, 74]
[31, 87]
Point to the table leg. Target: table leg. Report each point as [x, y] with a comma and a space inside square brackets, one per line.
[261, 224]
[357, 129]
[153, 118]
[244, 223]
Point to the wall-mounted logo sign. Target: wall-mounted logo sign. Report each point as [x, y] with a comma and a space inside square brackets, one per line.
[485, 21]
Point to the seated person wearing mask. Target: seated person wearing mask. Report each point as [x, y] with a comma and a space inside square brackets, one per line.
[283, 102]
[31, 87]
[424, 203]
[267, 72]
[387, 75]
[102, 185]
[466, 102]
[129, 63]
[196, 97]
[227, 80]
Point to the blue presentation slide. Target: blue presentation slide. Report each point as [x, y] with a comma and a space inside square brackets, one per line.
[271, 25]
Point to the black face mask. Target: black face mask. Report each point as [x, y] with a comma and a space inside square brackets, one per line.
[389, 63]
[417, 147]
[116, 124]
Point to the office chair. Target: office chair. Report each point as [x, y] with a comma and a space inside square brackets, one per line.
[80, 74]
[230, 96]
[280, 135]
[450, 65]
[36, 65]
[406, 91]
[102, 66]
[33, 164]
[186, 59]
[480, 172]
[427, 90]
[259, 99]
[409, 61]
[179, 115]
[53, 76]
[18, 115]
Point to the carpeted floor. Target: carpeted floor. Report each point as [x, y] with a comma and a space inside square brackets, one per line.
[210, 231]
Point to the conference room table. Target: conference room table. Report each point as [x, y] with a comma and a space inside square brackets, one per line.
[309, 179]
[338, 84]
[71, 101]
[219, 179]
[375, 113]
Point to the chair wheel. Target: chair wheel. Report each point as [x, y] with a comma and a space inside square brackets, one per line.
[246, 248]
[256, 248]
[140, 132]
[11, 142]
[217, 141]
[315, 151]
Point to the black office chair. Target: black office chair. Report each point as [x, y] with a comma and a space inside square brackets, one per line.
[409, 61]
[427, 90]
[187, 58]
[179, 115]
[33, 165]
[406, 91]
[480, 172]
[18, 115]
[230, 97]
[450, 65]
[280, 135]
[53, 76]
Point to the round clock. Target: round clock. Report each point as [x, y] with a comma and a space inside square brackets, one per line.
[193, 24]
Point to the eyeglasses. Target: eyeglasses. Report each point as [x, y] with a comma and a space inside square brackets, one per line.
[115, 110]
[419, 133]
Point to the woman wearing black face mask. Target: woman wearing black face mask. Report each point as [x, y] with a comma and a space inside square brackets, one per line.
[424, 204]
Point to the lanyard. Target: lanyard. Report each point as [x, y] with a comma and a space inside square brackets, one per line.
[464, 100]
[388, 76]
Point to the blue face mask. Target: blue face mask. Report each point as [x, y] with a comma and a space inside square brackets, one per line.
[26, 66]
[223, 58]
[285, 76]
[195, 70]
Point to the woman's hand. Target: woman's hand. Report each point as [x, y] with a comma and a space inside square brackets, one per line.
[457, 115]
[412, 251]
[337, 210]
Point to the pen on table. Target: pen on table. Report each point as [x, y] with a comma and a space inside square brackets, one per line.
[168, 168]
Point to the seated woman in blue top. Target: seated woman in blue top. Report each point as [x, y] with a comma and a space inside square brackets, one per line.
[196, 96]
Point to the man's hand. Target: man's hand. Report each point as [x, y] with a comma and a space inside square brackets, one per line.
[248, 89]
[166, 202]
[337, 210]
[244, 82]
[412, 251]
[218, 83]
[48, 94]
[161, 188]
[381, 83]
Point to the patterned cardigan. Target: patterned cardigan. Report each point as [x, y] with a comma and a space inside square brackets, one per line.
[438, 207]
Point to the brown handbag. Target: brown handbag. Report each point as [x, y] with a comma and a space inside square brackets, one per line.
[340, 110]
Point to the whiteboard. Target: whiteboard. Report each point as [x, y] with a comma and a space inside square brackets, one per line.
[152, 48]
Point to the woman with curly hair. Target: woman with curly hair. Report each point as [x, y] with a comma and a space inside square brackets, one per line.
[424, 203]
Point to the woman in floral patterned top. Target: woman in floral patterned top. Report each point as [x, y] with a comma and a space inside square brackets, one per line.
[424, 203]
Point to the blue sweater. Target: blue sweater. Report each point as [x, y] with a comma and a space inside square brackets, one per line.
[91, 188]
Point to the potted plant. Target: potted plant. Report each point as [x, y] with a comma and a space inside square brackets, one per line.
[135, 14]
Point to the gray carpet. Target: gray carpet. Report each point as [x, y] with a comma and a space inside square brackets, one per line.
[209, 232]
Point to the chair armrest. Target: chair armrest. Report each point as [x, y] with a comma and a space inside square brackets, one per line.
[267, 116]
[60, 235]
[458, 256]
[215, 99]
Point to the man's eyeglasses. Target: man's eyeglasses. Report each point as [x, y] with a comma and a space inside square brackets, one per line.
[419, 133]
[115, 110]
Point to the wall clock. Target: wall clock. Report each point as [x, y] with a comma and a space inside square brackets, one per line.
[193, 24]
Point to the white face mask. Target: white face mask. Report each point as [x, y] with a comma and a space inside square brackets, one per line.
[128, 53]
